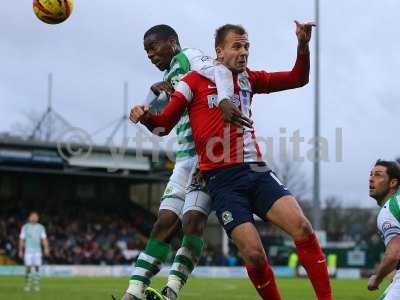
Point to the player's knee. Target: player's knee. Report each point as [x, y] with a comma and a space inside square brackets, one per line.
[194, 223]
[165, 226]
[254, 256]
[303, 230]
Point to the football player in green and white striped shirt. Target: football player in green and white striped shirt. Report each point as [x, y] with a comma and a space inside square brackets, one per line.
[31, 239]
[384, 184]
[184, 198]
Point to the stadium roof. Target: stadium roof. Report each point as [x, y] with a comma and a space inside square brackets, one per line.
[19, 155]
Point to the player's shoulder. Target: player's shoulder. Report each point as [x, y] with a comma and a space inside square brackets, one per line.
[387, 223]
[192, 53]
[393, 205]
[193, 77]
[397, 196]
[186, 57]
[191, 84]
[383, 214]
[251, 75]
[197, 59]
[394, 201]
[390, 211]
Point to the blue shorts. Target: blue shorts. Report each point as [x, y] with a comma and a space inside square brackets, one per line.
[241, 190]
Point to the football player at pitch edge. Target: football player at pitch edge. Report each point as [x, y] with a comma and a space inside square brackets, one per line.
[32, 237]
[384, 183]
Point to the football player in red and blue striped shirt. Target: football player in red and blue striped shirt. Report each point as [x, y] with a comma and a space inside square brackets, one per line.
[239, 182]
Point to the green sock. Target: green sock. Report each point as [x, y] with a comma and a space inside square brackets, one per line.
[147, 265]
[186, 259]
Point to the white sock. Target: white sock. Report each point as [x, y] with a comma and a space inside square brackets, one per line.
[174, 283]
[136, 288]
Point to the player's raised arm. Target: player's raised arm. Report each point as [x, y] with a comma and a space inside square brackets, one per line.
[268, 82]
[303, 32]
[388, 264]
[163, 123]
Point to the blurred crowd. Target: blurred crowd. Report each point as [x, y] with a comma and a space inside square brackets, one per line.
[75, 239]
[95, 239]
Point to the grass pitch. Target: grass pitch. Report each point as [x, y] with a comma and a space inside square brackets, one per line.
[11, 288]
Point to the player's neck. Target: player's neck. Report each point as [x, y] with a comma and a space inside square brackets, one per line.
[387, 197]
[177, 50]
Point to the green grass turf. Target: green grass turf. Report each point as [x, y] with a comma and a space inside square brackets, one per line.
[11, 288]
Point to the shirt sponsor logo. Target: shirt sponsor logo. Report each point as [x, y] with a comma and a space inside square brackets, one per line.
[244, 82]
[386, 226]
[212, 101]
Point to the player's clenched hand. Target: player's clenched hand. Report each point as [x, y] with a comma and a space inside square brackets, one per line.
[303, 32]
[138, 113]
[373, 283]
[232, 114]
[47, 252]
[162, 86]
[20, 254]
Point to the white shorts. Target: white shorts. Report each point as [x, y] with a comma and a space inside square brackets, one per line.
[183, 192]
[393, 290]
[198, 201]
[33, 259]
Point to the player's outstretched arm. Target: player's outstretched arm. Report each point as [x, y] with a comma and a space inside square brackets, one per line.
[388, 264]
[163, 123]
[162, 86]
[156, 90]
[138, 112]
[268, 82]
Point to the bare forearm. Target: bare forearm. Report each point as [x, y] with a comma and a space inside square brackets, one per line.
[387, 265]
[21, 245]
[303, 49]
[45, 243]
[390, 259]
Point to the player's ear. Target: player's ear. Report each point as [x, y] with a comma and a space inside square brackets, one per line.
[220, 55]
[394, 183]
[174, 44]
